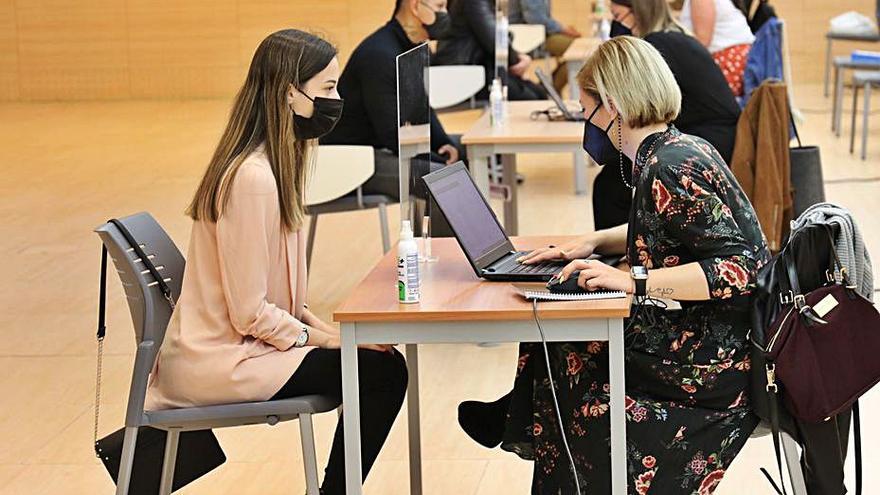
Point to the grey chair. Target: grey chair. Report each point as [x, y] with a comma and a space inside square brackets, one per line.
[335, 186]
[864, 80]
[150, 314]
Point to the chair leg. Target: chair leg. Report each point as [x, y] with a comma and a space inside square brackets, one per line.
[866, 114]
[310, 243]
[127, 461]
[168, 462]
[383, 225]
[793, 463]
[310, 459]
[852, 127]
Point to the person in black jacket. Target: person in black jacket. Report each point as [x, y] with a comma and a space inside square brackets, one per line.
[708, 107]
[368, 85]
[471, 41]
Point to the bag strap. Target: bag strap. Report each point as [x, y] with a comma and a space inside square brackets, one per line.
[793, 124]
[102, 309]
[857, 436]
[102, 331]
[772, 392]
[166, 291]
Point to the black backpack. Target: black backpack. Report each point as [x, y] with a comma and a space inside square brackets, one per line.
[825, 444]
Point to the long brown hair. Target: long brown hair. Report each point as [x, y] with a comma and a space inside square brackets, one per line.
[652, 16]
[262, 115]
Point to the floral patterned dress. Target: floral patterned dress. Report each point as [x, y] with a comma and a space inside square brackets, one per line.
[687, 371]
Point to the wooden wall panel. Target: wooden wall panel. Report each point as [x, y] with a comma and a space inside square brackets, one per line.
[72, 50]
[8, 52]
[115, 49]
[182, 49]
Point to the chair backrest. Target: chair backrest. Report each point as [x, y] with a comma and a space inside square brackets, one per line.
[527, 37]
[455, 84]
[150, 311]
[339, 170]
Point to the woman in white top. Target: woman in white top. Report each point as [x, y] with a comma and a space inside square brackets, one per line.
[723, 29]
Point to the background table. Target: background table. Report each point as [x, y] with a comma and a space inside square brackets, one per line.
[831, 37]
[521, 134]
[842, 63]
[457, 307]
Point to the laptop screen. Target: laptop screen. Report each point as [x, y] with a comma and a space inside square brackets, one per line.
[551, 91]
[467, 212]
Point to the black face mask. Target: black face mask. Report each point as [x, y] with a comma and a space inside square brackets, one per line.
[325, 115]
[597, 144]
[618, 29]
[440, 27]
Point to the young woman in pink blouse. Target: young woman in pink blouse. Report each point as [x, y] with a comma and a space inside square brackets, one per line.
[241, 330]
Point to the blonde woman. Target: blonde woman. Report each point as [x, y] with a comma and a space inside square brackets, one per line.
[241, 330]
[708, 108]
[696, 235]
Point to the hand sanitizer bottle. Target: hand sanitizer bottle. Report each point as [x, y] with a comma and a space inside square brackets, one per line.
[496, 103]
[408, 283]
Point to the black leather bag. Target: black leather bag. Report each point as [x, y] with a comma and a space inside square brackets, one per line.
[824, 444]
[198, 452]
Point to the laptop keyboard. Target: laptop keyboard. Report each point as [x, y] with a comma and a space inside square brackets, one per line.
[511, 266]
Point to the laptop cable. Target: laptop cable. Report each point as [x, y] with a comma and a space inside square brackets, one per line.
[633, 319]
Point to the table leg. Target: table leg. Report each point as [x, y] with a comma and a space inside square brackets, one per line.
[618, 413]
[827, 66]
[572, 68]
[511, 214]
[580, 172]
[351, 411]
[479, 167]
[838, 100]
[414, 420]
[866, 114]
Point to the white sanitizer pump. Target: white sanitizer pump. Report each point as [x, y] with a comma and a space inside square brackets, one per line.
[408, 283]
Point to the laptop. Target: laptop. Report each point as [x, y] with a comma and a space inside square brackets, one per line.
[481, 237]
[547, 83]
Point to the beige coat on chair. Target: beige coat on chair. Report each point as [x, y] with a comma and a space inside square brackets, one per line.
[231, 336]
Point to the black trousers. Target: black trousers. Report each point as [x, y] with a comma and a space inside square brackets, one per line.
[383, 379]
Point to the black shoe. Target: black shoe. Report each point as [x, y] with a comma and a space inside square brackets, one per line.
[484, 421]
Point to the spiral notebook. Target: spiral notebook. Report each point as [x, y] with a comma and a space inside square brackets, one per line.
[541, 293]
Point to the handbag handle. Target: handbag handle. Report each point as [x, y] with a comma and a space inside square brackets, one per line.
[797, 297]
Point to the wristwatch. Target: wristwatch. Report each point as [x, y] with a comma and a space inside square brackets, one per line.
[640, 277]
[303, 338]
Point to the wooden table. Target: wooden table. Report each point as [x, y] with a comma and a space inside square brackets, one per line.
[574, 57]
[457, 307]
[521, 134]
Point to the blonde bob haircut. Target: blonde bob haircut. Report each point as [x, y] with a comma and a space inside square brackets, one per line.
[632, 73]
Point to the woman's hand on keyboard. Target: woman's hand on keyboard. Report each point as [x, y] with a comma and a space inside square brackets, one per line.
[577, 249]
